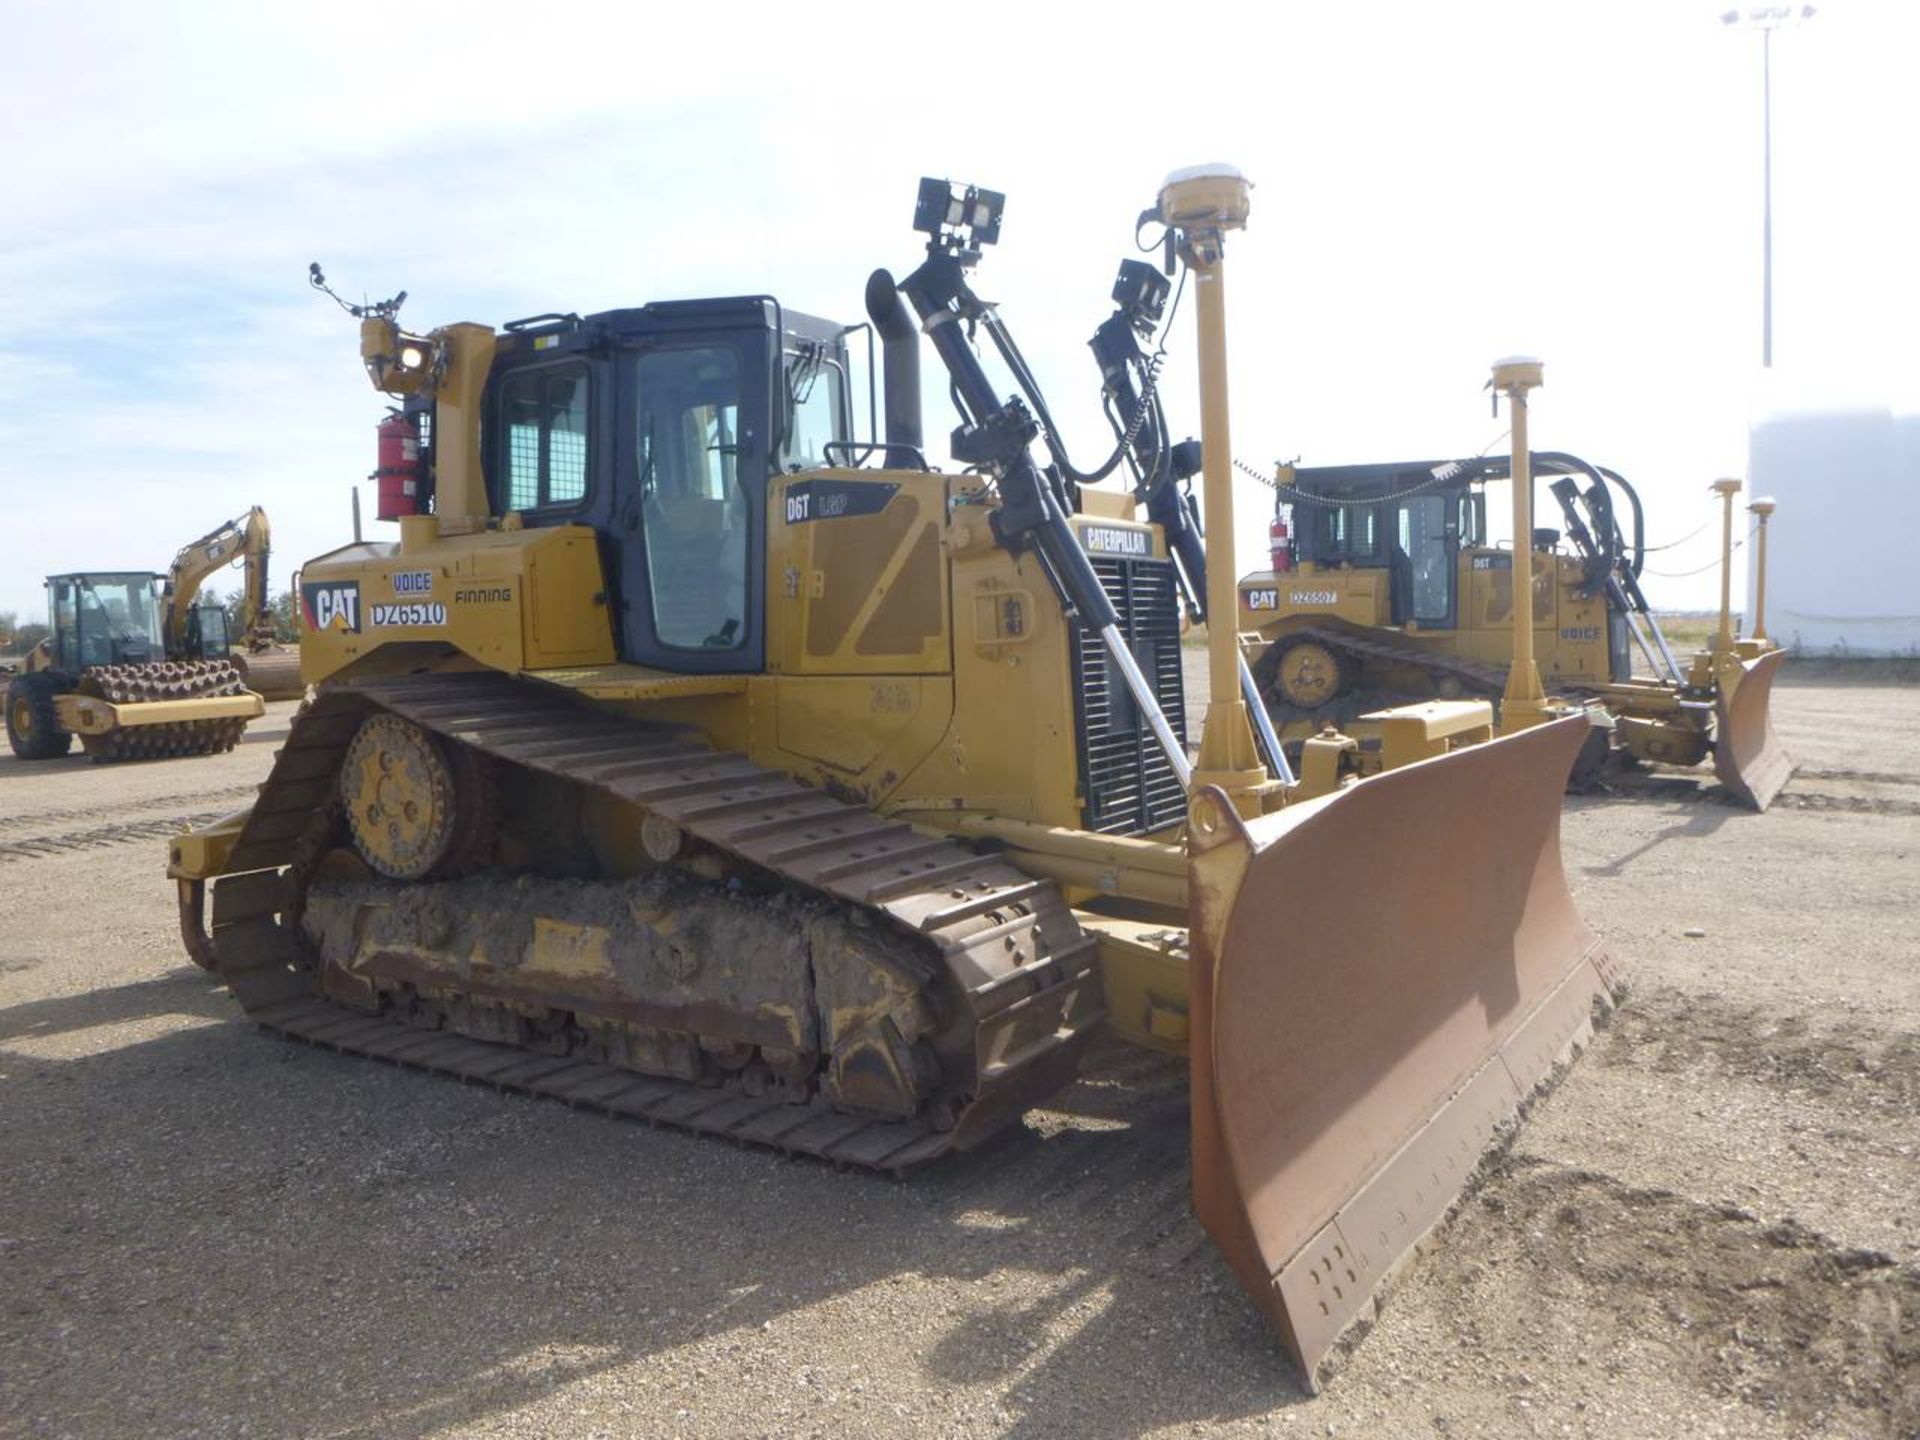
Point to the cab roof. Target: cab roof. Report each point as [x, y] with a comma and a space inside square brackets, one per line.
[564, 334]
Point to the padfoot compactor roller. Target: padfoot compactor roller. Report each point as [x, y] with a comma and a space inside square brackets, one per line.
[1386, 589]
[104, 675]
[676, 764]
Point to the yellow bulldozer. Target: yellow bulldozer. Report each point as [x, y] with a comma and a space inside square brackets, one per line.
[691, 760]
[1386, 587]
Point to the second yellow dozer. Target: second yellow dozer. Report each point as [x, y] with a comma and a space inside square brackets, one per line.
[1387, 588]
[679, 766]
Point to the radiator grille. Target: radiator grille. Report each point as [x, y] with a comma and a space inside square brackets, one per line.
[1127, 784]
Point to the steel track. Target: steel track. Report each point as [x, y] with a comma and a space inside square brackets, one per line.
[975, 915]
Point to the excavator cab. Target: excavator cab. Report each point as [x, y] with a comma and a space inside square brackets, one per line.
[207, 634]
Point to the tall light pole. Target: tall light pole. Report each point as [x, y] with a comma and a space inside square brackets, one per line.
[1766, 19]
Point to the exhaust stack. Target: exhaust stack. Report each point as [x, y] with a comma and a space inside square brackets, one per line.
[900, 348]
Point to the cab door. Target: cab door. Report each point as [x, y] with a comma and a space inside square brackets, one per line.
[63, 608]
[690, 493]
[1430, 539]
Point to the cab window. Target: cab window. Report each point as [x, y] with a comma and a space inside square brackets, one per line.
[543, 438]
[1426, 544]
[1473, 530]
[1346, 533]
[694, 512]
[66, 623]
[816, 404]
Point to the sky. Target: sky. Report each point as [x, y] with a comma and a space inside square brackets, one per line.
[1436, 186]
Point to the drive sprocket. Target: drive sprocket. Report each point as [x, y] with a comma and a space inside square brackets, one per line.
[400, 795]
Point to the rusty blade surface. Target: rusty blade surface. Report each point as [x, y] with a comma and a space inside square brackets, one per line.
[1381, 978]
[1747, 755]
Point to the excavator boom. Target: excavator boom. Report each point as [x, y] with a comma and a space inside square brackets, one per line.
[247, 538]
[268, 668]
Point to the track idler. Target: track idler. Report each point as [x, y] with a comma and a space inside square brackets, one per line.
[1382, 977]
[1747, 754]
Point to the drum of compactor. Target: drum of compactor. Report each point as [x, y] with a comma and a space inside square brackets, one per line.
[272, 674]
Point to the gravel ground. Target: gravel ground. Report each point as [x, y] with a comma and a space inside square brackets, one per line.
[1711, 1228]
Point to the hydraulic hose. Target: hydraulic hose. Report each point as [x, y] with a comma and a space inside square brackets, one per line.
[1000, 435]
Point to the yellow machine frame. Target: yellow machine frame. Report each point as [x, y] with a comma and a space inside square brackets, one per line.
[918, 666]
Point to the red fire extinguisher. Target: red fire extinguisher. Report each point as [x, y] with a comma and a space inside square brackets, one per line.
[400, 479]
[1280, 543]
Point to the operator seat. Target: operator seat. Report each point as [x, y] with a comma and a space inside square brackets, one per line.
[1400, 585]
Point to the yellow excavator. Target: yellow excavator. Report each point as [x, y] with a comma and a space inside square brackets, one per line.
[198, 632]
[1385, 588]
[691, 760]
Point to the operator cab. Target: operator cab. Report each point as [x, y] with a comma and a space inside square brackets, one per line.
[660, 427]
[1401, 518]
[208, 637]
[105, 618]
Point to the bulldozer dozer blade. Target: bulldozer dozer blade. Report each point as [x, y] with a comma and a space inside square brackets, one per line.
[1381, 979]
[1747, 755]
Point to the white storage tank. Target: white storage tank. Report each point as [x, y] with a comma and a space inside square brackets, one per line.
[1843, 550]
